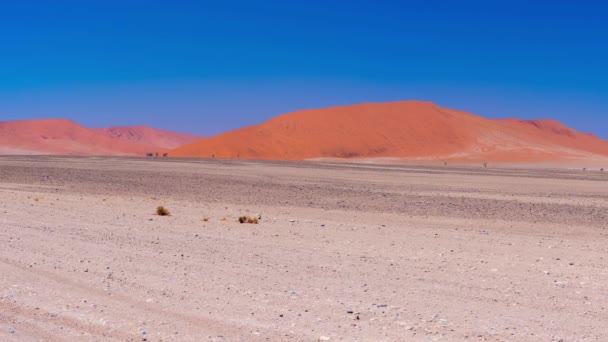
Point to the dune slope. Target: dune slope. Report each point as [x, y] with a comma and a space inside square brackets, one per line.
[409, 129]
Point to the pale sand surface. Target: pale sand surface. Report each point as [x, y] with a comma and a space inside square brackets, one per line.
[416, 253]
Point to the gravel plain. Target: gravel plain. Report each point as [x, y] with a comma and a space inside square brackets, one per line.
[343, 252]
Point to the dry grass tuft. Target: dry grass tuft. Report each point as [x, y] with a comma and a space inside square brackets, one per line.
[248, 219]
[162, 211]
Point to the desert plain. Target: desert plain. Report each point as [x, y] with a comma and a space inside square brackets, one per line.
[343, 251]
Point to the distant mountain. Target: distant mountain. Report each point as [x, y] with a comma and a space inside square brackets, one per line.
[61, 136]
[148, 136]
[410, 129]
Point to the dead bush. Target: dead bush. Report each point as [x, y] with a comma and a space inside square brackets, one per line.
[248, 219]
[162, 211]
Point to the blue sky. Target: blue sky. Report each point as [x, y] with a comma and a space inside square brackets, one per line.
[208, 66]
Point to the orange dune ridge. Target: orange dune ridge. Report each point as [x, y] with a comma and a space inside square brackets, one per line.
[408, 130]
[61, 136]
[148, 136]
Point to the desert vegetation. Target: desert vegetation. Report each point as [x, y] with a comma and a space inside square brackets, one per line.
[162, 211]
[249, 219]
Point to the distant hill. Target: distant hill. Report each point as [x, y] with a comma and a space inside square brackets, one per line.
[410, 129]
[148, 136]
[61, 136]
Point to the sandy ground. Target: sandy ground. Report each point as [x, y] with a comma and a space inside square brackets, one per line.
[343, 252]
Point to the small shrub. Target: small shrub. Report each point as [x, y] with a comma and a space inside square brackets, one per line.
[248, 219]
[205, 219]
[162, 211]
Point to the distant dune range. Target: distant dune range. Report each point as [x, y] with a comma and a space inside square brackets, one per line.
[407, 130]
[61, 136]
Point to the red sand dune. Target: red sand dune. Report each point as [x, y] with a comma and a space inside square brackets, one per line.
[60, 136]
[148, 136]
[412, 130]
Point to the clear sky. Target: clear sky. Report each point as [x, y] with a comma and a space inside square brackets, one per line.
[208, 66]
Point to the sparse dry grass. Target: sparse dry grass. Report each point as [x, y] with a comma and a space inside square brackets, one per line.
[162, 211]
[248, 219]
